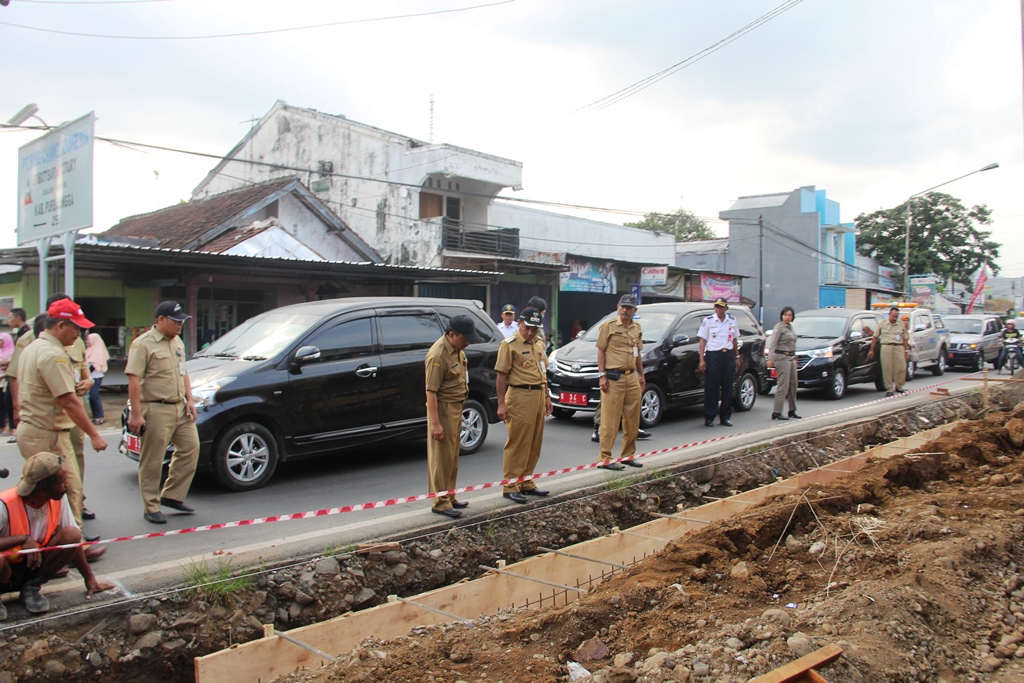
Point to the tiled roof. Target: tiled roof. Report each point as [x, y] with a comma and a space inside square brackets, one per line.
[182, 224]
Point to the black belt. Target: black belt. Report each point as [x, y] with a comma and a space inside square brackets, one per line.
[891, 344]
[784, 353]
[170, 403]
[531, 387]
[725, 350]
[626, 372]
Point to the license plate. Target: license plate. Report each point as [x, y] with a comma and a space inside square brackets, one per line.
[572, 399]
[133, 443]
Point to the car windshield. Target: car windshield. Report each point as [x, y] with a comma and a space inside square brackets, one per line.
[819, 327]
[261, 337]
[654, 324]
[963, 325]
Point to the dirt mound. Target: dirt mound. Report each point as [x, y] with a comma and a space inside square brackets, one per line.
[912, 565]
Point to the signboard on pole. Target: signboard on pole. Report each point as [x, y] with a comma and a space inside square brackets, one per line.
[55, 181]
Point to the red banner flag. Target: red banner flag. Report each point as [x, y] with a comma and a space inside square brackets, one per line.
[979, 286]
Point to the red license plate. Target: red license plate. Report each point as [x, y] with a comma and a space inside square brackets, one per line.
[572, 399]
[133, 443]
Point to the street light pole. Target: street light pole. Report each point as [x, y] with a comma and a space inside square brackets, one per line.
[910, 209]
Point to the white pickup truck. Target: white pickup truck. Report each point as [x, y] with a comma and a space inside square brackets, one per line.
[929, 341]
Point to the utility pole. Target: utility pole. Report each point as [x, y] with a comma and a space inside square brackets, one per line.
[760, 268]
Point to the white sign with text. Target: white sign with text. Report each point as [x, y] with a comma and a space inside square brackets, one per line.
[653, 275]
[55, 181]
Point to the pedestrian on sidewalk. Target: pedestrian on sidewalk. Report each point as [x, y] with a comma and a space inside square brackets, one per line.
[621, 378]
[719, 361]
[6, 405]
[782, 357]
[97, 357]
[892, 335]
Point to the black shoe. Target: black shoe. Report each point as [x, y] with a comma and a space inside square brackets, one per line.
[727, 423]
[460, 504]
[779, 416]
[535, 492]
[90, 539]
[88, 514]
[176, 505]
[709, 423]
[901, 391]
[641, 434]
[793, 415]
[450, 512]
[155, 517]
[34, 601]
[612, 466]
[888, 394]
[596, 436]
[516, 497]
[632, 463]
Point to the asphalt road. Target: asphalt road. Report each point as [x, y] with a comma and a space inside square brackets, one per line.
[383, 473]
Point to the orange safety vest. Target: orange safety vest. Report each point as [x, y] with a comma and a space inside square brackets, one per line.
[17, 519]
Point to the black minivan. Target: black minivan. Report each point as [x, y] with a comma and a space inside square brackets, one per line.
[670, 359]
[326, 375]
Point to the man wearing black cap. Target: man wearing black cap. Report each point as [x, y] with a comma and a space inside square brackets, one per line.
[719, 360]
[163, 412]
[447, 388]
[523, 402]
[621, 377]
[508, 325]
[36, 513]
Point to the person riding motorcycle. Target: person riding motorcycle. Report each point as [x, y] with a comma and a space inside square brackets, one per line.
[1011, 344]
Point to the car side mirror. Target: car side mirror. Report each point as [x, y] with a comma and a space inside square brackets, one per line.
[919, 328]
[680, 339]
[579, 335]
[856, 334]
[306, 354]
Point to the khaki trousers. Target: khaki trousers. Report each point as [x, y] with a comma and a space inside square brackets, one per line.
[443, 456]
[167, 423]
[525, 426]
[894, 366]
[32, 440]
[787, 382]
[621, 405]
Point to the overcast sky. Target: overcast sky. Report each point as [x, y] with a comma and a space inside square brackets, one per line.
[871, 100]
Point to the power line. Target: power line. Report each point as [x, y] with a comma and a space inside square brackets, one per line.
[257, 33]
[647, 82]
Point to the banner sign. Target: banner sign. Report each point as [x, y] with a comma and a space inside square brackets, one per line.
[979, 287]
[588, 276]
[653, 275]
[55, 181]
[923, 290]
[885, 278]
[714, 286]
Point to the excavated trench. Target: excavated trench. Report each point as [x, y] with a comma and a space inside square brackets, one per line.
[156, 638]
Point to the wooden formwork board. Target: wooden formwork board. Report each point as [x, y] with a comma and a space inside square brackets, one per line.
[272, 656]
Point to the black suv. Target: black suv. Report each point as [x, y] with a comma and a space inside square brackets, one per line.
[670, 359]
[832, 349]
[326, 375]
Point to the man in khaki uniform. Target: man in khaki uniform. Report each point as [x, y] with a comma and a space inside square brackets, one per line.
[447, 389]
[523, 402]
[621, 373]
[892, 335]
[163, 412]
[48, 401]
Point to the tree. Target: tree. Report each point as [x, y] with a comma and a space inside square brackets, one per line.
[683, 224]
[945, 237]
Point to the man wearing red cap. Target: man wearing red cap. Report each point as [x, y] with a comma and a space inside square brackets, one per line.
[49, 405]
[36, 514]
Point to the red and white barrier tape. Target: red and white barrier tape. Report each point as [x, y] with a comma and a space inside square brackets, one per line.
[427, 496]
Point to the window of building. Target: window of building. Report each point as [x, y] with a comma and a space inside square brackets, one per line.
[430, 205]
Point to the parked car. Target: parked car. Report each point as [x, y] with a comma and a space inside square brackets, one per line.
[832, 350]
[973, 340]
[670, 359]
[929, 342]
[328, 375]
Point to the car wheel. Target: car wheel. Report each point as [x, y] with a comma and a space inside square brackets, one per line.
[836, 387]
[940, 366]
[652, 405]
[978, 362]
[746, 393]
[562, 413]
[474, 427]
[911, 370]
[246, 457]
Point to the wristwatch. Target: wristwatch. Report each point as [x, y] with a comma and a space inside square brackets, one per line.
[601, 374]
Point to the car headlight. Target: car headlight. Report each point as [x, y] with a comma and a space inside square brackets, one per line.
[551, 358]
[821, 353]
[204, 394]
[973, 346]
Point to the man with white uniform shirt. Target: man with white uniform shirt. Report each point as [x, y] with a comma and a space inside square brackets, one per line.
[719, 361]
